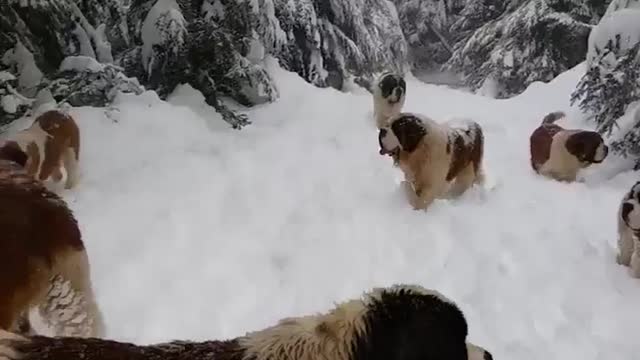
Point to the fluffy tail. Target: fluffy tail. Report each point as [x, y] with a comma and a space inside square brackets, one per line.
[550, 118]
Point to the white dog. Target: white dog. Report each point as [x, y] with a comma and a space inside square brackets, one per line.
[388, 97]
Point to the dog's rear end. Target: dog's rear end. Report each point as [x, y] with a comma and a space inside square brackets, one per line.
[466, 151]
[541, 139]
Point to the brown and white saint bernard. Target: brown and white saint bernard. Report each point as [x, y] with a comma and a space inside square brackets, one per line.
[51, 142]
[43, 261]
[560, 153]
[438, 160]
[400, 322]
[629, 230]
[389, 96]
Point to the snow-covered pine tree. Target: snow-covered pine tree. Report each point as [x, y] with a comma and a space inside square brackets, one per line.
[83, 81]
[426, 25]
[611, 84]
[331, 41]
[12, 104]
[532, 40]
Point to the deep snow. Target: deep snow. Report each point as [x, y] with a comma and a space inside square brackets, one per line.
[196, 231]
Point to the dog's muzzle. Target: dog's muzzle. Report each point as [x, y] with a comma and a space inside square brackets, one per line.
[395, 96]
[605, 150]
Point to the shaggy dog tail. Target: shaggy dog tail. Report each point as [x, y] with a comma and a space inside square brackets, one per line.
[550, 118]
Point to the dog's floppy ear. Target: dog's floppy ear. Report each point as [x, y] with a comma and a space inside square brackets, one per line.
[583, 145]
[9, 150]
[409, 129]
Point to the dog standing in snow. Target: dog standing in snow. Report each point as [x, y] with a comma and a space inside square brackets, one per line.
[53, 140]
[629, 230]
[560, 153]
[438, 160]
[400, 322]
[388, 97]
[43, 261]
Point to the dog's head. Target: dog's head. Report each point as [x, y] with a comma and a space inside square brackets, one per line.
[404, 133]
[587, 146]
[399, 322]
[410, 322]
[630, 208]
[392, 87]
[10, 150]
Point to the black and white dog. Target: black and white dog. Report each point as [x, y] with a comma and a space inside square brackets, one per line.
[400, 322]
[629, 230]
[388, 97]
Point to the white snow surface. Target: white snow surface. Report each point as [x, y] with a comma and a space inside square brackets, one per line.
[624, 22]
[203, 232]
[616, 5]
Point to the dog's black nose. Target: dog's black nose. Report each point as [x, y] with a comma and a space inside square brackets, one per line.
[487, 355]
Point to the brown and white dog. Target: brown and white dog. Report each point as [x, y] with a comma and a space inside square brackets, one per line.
[560, 153]
[629, 230]
[438, 160]
[43, 261]
[52, 141]
[400, 322]
[389, 96]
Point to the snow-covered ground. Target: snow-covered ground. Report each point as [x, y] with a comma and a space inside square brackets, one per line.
[196, 231]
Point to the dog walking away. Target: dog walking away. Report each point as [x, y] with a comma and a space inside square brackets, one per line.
[51, 142]
[559, 153]
[43, 260]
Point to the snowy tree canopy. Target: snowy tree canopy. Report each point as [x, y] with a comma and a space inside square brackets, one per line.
[611, 84]
[217, 46]
[536, 41]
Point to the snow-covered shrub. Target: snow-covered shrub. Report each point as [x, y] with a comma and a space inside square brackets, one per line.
[22, 62]
[611, 83]
[425, 25]
[535, 41]
[12, 104]
[330, 40]
[82, 81]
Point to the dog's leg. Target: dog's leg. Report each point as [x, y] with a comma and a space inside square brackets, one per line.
[463, 182]
[625, 247]
[426, 193]
[70, 307]
[479, 176]
[22, 325]
[71, 165]
[57, 173]
[635, 257]
[409, 193]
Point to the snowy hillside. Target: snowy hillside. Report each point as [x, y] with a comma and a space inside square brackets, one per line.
[197, 231]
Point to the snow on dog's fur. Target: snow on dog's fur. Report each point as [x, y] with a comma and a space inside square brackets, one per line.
[629, 230]
[560, 153]
[438, 160]
[51, 142]
[43, 261]
[401, 322]
[389, 96]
